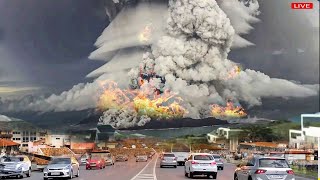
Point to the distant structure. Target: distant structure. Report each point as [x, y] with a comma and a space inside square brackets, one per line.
[250, 120]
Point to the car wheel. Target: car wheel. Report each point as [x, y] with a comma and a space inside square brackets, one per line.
[78, 173]
[29, 173]
[214, 176]
[175, 166]
[161, 166]
[190, 174]
[20, 176]
[235, 177]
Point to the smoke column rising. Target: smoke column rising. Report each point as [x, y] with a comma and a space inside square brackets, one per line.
[192, 57]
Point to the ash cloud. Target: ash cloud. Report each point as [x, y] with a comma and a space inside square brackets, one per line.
[192, 55]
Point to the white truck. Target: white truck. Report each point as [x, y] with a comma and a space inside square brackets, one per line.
[181, 157]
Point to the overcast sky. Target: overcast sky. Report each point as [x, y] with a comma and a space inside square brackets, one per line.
[44, 44]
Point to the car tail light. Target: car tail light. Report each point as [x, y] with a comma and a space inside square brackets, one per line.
[290, 172]
[193, 162]
[260, 171]
[213, 163]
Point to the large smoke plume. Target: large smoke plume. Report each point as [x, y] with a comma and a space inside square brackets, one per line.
[192, 57]
[191, 53]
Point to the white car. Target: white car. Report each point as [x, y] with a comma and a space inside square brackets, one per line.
[15, 166]
[201, 164]
[62, 167]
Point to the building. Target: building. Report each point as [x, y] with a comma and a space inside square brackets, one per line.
[300, 139]
[21, 132]
[7, 146]
[262, 147]
[58, 140]
[225, 138]
[34, 146]
[104, 135]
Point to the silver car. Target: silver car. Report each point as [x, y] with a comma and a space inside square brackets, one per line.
[219, 161]
[63, 167]
[141, 158]
[264, 168]
[15, 166]
[168, 159]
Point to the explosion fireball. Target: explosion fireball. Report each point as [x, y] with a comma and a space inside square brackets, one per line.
[143, 101]
[228, 112]
[235, 71]
[145, 35]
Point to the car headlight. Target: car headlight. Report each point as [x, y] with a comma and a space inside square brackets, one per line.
[67, 167]
[45, 169]
[19, 168]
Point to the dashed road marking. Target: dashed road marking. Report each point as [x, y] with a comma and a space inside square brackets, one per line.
[148, 172]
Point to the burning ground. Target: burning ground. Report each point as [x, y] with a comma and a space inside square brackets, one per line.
[185, 72]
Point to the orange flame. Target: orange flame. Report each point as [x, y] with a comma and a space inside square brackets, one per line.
[145, 35]
[143, 101]
[234, 72]
[230, 111]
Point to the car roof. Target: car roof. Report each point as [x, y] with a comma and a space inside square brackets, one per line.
[269, 157]
[201, 154]
[62, 157]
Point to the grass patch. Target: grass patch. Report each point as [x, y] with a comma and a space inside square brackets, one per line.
[303, 172]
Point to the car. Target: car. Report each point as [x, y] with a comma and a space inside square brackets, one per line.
[95, 161]
[15, 166]
[110, 160]
[140, 158]
[62, 167]
[83, 159]
[168, 159]
[181, 156]
[219, 161]
[121, 157]
[200, 164]
[264, 168]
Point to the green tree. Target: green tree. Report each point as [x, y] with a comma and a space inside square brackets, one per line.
[257, 133]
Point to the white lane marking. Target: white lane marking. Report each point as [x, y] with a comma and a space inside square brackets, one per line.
[147, 176]
[154, 168]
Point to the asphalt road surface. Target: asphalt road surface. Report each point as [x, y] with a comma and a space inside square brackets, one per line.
[150, 170]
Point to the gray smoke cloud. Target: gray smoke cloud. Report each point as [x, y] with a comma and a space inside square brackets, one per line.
[193, 59]
[191, 54]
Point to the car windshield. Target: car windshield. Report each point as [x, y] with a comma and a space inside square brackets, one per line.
[216, 156]
[12, 159]
[95, 156]
[203, 157]
[168, 155]
[273, 163]
[61, 161]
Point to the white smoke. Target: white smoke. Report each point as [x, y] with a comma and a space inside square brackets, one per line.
[120, 118]
[131, 21]
[193, 59]
[191, 54]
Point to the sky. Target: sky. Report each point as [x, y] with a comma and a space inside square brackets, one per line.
[45, 44]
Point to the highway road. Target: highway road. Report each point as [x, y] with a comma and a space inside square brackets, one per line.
[150, 170]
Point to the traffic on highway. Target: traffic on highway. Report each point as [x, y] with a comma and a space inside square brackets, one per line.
[157, 166]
